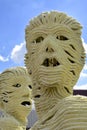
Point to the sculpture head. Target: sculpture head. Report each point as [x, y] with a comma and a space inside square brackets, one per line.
[55, 55]
[15, 92]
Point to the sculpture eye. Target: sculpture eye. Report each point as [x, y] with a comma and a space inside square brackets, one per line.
[30, 86]
[38, 40]
[17, 85]
[61, 37]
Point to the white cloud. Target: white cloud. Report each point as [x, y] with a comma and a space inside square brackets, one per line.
[81, 87]
[85, 67]
[17, 54]
[3, 59]
[84, 75]
[85, 45]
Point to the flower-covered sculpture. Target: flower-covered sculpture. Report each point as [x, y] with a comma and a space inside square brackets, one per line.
[55, 57]
[15, 98]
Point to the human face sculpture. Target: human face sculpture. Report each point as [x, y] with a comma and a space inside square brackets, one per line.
[55, 53]
[16, 93]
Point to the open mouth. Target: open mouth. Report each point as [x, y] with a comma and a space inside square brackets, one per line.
[50, 62]
[26, 103]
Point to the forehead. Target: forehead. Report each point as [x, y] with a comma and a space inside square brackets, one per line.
[50, 29]
[16, 79]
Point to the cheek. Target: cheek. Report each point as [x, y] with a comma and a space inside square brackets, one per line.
[33, 58]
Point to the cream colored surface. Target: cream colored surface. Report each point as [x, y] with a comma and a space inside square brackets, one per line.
[15, 98]
[68, 114]
[55, 57]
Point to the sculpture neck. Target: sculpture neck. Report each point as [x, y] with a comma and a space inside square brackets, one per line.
[46, 97]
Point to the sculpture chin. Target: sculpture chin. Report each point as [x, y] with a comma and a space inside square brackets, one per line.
[50, 75]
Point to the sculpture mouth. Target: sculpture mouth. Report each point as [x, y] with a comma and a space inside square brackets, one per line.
[50, 62]
[26, 103]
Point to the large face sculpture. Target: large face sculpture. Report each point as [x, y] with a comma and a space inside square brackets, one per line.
[15, 92]
[55, 52]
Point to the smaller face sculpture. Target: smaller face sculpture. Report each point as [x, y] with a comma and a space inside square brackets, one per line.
[15, 92]
[55, 52]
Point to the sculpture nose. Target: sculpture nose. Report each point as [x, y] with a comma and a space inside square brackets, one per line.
[49, 42]
[49, 49]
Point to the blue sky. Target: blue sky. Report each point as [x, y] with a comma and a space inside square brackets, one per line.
[15, 15]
